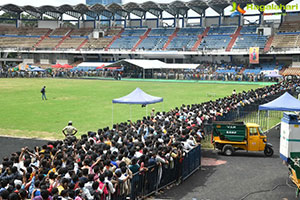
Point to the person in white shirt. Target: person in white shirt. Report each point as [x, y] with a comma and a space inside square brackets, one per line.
[69, 130]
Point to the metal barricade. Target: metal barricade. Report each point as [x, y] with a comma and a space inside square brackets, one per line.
[146, 183]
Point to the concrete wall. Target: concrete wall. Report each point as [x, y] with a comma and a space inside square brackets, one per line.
[49, 24]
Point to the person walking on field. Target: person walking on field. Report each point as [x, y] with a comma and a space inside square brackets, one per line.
[69, 130]
[43, 91]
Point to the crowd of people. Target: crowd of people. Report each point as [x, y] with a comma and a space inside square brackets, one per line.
[102, 164]
[206, 71]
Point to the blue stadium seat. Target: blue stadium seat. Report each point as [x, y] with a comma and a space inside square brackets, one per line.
[133, 32]
[153, 43]
[190, 31]
[215, 42]
[182, 42]
[247, 41]
[161, 32]
[222, 30]
[126, 42]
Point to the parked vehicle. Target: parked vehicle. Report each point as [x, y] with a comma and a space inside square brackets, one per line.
[229, 137]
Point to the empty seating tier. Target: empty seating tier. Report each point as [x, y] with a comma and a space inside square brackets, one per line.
[99, 43]
[182, 43]
[222, 30]
[81, 32]
[285, 41]
[49, 43]
[290, 26]
[60, 31]
[247, 41]
[23, 31]
[134, 32]
[215, 42]
[71, 43]
[161, 32]
[17, 42]
[125, 42]
[153, 43]
[248, 30]
[190, 31]
[112, 32]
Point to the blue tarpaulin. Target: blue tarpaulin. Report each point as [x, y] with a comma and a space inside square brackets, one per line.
[285, 102]
[138, 96]
[37, 69]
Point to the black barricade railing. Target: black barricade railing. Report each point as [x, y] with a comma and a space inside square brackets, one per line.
[157, 177]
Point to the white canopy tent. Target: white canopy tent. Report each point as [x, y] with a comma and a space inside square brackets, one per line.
[152, 64]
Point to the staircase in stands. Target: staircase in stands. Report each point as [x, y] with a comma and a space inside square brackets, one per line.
[269, 43]
[233, 38]
[41, 39]
[200, 37]
[141, 39]
[63, 39]
[114, 39]
[171, 37]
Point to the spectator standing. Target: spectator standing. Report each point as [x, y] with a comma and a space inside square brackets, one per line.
[69, 130]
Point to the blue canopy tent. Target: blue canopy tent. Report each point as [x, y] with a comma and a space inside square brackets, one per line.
[137, 96]
[285, 102]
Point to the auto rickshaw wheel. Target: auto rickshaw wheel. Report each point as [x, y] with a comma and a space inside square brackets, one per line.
[268, 151]
[228, 150]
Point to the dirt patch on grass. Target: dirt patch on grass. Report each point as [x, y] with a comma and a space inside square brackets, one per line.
[30, 134]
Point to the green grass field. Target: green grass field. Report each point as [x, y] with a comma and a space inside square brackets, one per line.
[88, 103]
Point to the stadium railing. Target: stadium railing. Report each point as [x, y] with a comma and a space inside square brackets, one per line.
[148, 182]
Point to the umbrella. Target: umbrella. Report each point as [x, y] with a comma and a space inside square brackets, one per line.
[57, 66]
[67, 66]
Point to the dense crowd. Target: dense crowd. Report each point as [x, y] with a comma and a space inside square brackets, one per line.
[206, 71]
[102, 164]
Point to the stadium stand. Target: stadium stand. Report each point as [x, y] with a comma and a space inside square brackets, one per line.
[71, 43]
[286, 41]
[153, 43]
[182, 43]
[222, 30]
[133, 32]
[81, 32]
[18, 42]
[248, 29]
[49, 43]
[24, 31]
[99, 43]
[161, 32]
[247, 41]
[113, 31]
[213, 42]
[125, 42]
[60, 32]
[291, 71]
[190, 31]
[287, 27]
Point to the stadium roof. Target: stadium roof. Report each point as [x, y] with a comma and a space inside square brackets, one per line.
[174, 8]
